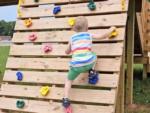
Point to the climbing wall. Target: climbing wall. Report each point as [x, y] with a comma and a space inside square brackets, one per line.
[50, 69]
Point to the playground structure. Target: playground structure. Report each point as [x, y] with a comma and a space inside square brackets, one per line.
[49, 69]
[143, 25]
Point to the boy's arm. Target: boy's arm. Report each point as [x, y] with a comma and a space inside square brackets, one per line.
[104, 34]
[68, 50]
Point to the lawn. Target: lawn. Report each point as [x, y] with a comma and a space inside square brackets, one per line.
[141, 88]
[4, 50]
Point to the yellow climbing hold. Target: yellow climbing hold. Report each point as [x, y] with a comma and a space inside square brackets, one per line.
[71, 21]
[123, 2]
[44, 90]
[18, 8]
[19, 13]
[113, 34]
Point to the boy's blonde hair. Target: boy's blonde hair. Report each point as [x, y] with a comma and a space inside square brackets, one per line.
[81, 24]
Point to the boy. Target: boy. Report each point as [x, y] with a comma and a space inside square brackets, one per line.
[83, 59]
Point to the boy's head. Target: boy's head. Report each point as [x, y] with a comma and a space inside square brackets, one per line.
[81, 24]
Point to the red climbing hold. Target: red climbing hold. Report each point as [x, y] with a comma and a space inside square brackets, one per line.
[32, 37]
[68, 109]
[47, 48]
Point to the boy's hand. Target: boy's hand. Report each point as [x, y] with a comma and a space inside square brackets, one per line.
[67, 52]
[112, 28]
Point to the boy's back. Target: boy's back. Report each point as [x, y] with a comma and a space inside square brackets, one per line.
[81, 45]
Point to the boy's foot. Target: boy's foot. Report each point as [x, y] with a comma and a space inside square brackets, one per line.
[93, 77]
[66, 105]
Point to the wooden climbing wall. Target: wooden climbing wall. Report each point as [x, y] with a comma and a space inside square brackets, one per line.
[143, 24]
[40, 69]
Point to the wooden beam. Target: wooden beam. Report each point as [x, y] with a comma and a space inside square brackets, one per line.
[8, 2]
[140, 59]
[130, 52]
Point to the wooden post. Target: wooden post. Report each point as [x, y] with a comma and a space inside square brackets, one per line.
[130, 52]
[120, 108]
[145, 66]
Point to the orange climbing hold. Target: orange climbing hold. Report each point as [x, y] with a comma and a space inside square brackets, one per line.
[28, 22]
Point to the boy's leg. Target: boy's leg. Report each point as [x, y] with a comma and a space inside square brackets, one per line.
[68, 85]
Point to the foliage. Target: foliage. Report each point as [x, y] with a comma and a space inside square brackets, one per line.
[6, 28]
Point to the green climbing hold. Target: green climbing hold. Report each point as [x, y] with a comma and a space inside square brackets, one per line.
[91, 5]
[20, 104]
[36, 0]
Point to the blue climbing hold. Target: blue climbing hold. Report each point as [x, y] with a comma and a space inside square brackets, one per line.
[93, 77]
[56, 10]
[19, 76]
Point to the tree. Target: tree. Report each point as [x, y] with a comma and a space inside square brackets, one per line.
[6, 28]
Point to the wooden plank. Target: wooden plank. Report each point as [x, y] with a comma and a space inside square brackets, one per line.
[107, 49]
[57, 93]
[73, 10]
[43, 2]
[8, 2]
[140, 59]
[103, 64]
[53, 107]
[140, 31]
[106, 80]
[62, 23]
[62, 36]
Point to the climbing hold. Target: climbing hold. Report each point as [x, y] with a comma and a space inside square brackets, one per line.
[56, 10]
[32, 37]
[20, 104]
[113, 34]
[19, 76]
[28, 22]
[123, 5]
[47, 48]
[68, 109]
[22, 1]
[91, 5]
[93, 76]
[71, 21]
[19, 13]
[36, 0]
[18, 8]
[44, 90]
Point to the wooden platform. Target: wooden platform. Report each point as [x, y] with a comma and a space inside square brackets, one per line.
[40, 69]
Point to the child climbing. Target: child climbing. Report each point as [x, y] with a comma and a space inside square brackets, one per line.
[83, 59]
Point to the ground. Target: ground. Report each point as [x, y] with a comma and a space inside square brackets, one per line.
[141, 88]
[3, 57]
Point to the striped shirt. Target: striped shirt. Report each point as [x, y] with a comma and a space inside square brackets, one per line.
[81, 45]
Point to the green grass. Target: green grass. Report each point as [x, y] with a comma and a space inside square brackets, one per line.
[4, 50]
[141, 87]
[141, 94]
